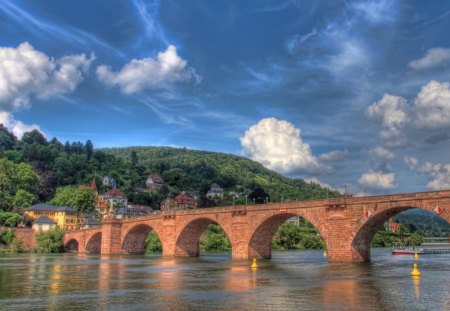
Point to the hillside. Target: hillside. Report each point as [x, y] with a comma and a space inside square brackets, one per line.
[194, 170]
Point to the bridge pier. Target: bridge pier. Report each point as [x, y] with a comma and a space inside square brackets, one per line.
[111, 237]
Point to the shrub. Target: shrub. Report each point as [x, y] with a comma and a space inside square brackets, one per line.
[17, 246]
[50, 241]
[152, 243]
[7, 236]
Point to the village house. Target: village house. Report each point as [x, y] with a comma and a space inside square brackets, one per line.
[109, 182]
[154, 182]
[215, 191]
[168, 203]
[115, 198]
[65, 217]
[133, 210]
[185, 201]
[43, 223]
[89, 222]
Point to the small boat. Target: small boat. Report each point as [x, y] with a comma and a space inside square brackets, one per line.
[407, 251]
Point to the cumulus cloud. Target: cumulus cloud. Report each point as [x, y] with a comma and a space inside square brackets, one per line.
[382, 153]
[433, 58]
[18, 128]
[378, 180]
[392, 112]
[26, 72]
[438, 174]
[334, 155]
[432, 105]
[148, 73]
[278, 145]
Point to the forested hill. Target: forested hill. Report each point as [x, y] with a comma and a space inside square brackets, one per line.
[184, 169]
[33, 169]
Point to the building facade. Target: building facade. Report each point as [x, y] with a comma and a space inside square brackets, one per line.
[65, 217]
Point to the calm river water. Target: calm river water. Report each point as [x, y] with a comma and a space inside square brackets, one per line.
[301, 280]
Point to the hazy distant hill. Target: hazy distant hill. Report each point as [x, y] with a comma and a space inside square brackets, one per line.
[185, 169]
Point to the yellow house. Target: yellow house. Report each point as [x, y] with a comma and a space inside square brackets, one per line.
[65, 217]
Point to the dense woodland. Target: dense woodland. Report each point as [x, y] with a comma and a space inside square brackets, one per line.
[40, 168]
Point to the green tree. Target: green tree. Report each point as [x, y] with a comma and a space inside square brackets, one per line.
[7, 236]
[89, 149]
[83, 200]
[214, 239]
[416, 239]
[16, 178]
[287, 236]
[153, 243]
[50, 241]
[9, 219]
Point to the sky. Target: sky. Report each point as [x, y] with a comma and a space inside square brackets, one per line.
[353, 95]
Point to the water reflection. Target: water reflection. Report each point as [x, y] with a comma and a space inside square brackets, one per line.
[291, 280]
[416, 284]
[240, 278]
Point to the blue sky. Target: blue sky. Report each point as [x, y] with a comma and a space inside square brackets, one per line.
[350, 94]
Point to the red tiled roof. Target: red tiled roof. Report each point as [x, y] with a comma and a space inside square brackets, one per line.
[157, 179]
[185, 199]
[114, 194]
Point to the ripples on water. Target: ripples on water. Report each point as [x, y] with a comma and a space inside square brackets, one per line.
[301, 280]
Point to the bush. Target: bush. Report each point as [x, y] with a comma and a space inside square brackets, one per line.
[50, 241]
[153, 243]
[17, 246]
[214, 239]
[8, 219]
[7, 236]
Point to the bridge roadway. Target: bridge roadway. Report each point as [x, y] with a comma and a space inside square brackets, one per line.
[346, 224]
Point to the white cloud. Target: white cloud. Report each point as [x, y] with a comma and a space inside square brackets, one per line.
[25, 72]
[334, 155]
[147, 73]
[432, 105]
[18, 128]
[392, 112]
[433, 58]
[351, 55]
[278, 145]
[437, 174]
[379, 11]
[378, 180]
[411, 162]
[382, 153]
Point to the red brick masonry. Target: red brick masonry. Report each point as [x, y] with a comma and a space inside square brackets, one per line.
[346, 224]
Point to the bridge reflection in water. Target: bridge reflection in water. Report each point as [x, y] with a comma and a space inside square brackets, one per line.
[291, 280]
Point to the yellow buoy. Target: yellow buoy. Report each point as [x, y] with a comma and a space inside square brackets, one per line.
[324, 253]
[416, 255]
[254, 264]
[415, 271]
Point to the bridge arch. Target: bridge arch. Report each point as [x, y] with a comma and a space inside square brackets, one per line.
[72, 246]
[188, 240]
[94, 244]
[260, 245]
[366, 232]
[134, 239]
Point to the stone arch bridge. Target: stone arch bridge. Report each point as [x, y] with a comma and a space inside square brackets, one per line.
[346, 224]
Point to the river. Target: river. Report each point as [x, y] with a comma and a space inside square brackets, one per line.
[293, 280]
